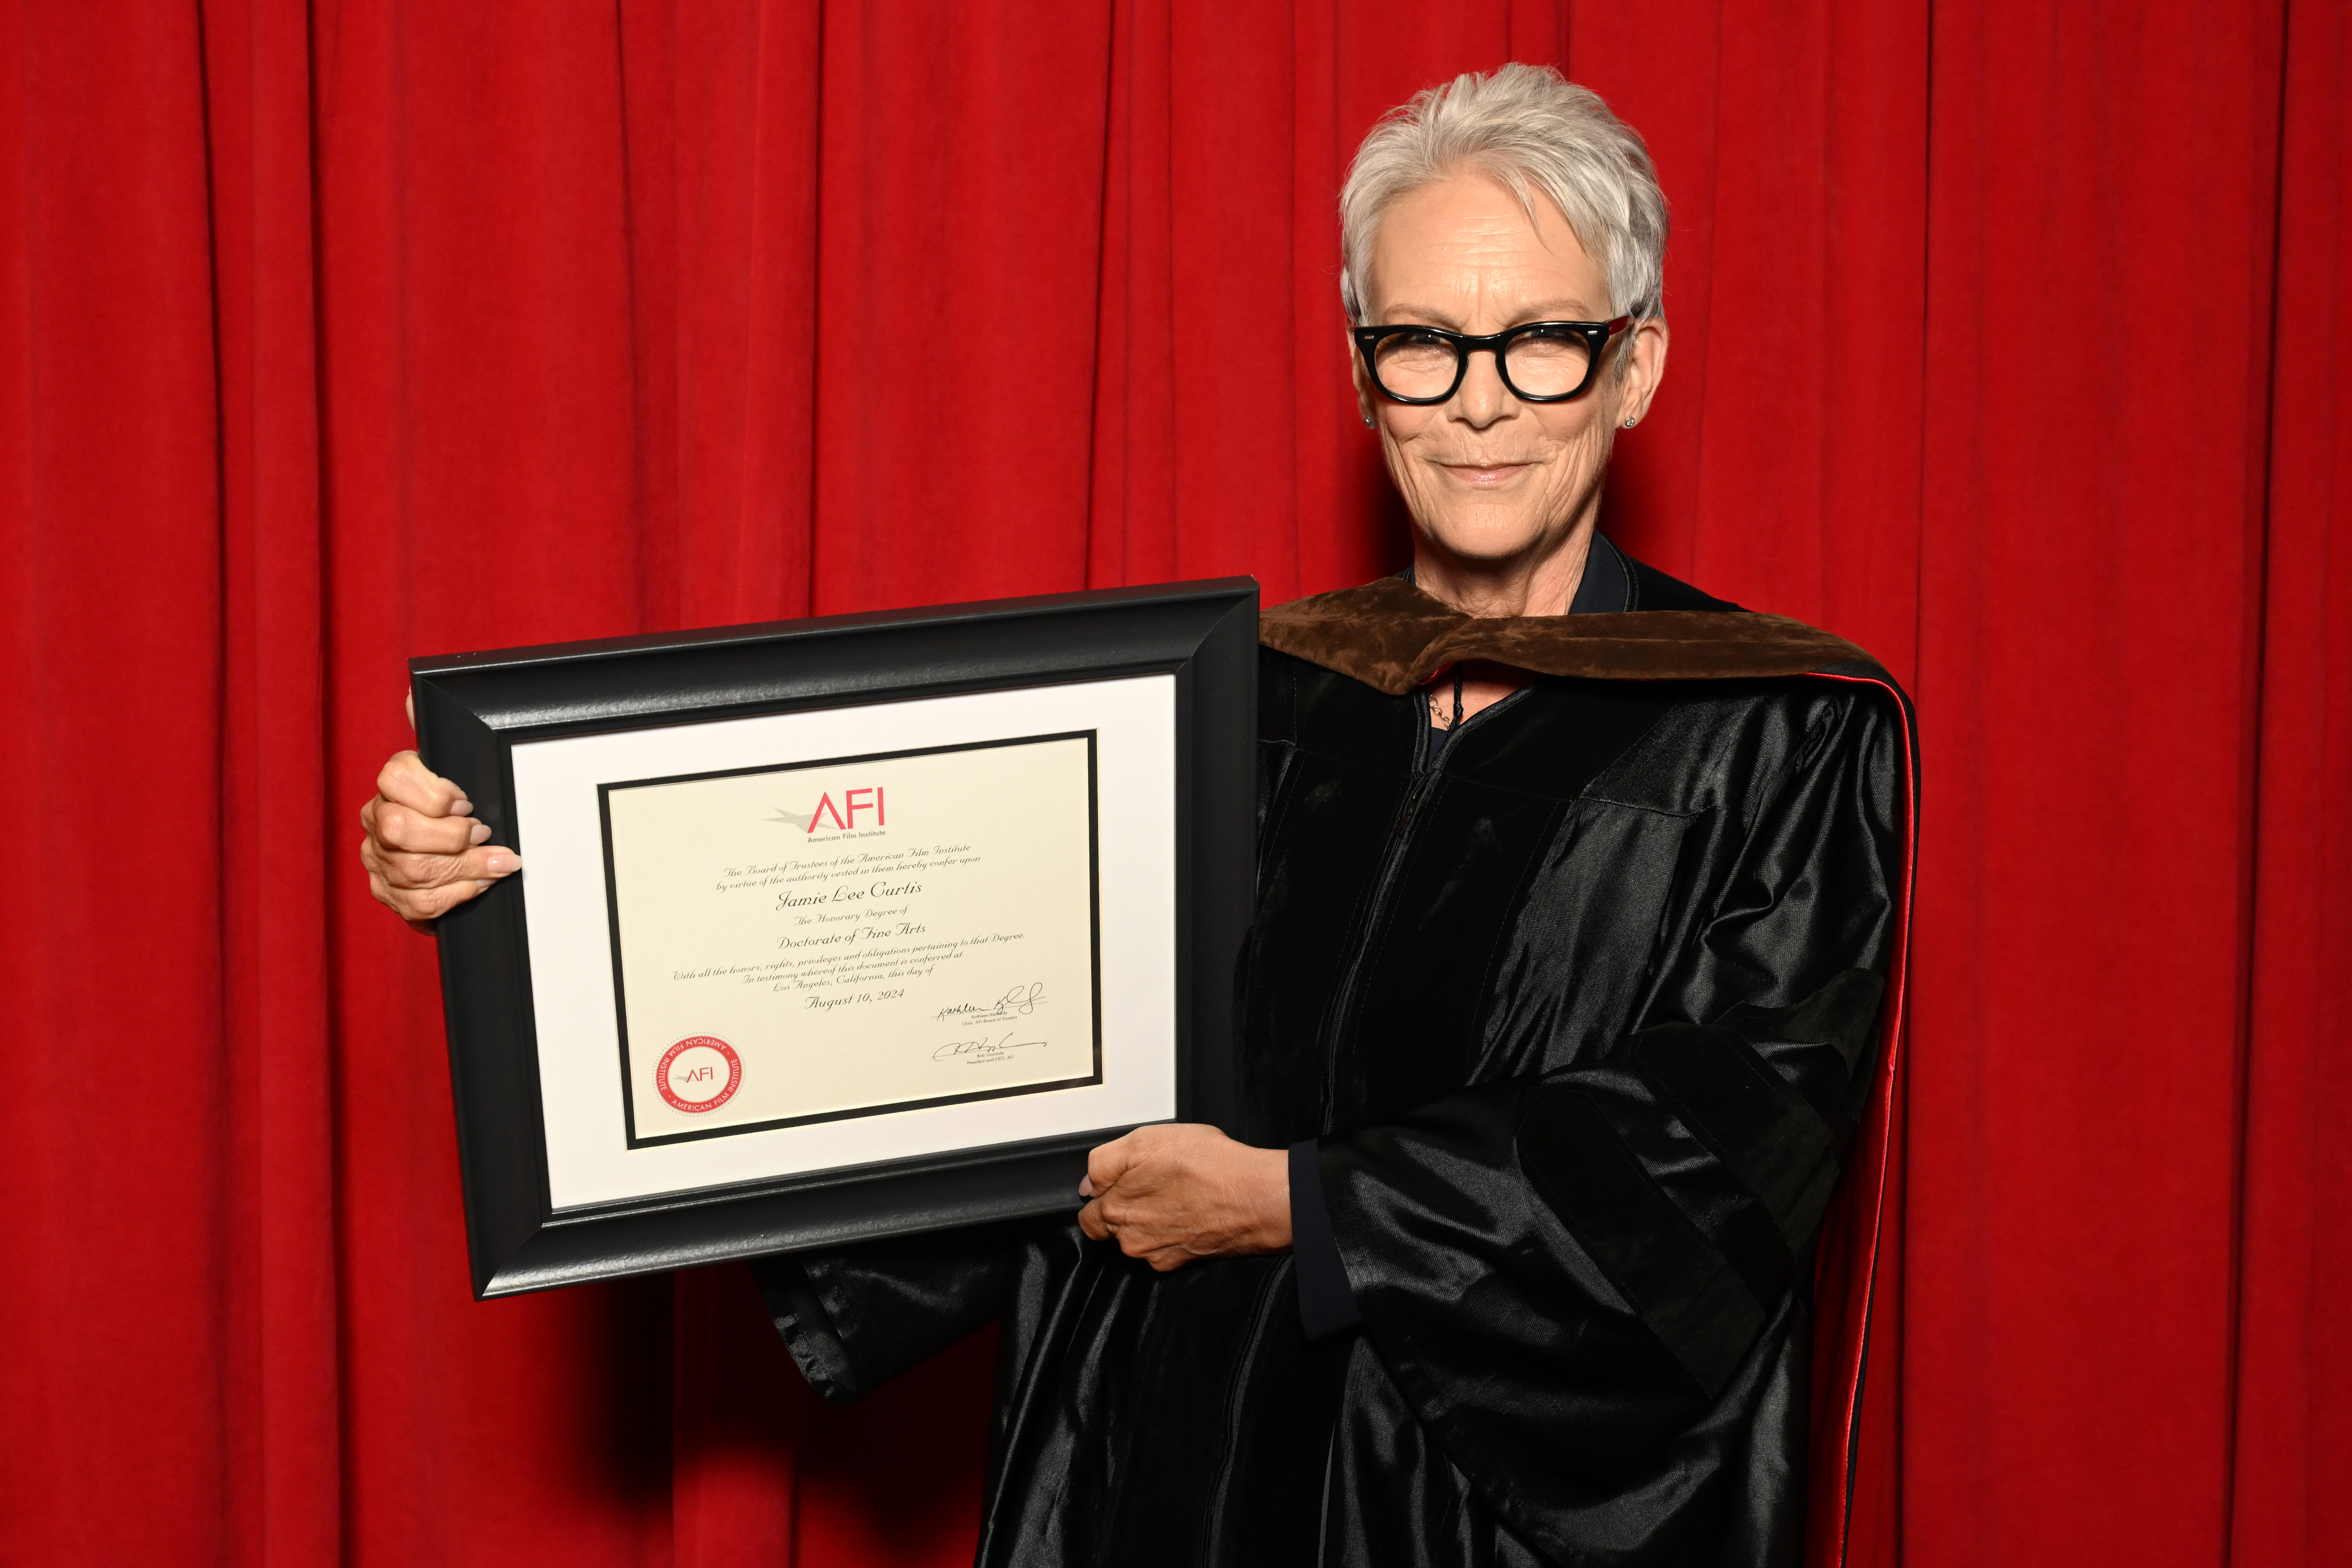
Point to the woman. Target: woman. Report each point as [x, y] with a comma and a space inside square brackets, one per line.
[1579, 895]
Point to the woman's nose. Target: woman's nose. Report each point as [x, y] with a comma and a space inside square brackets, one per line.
[1482, 398]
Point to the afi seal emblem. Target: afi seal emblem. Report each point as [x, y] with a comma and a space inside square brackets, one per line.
[700, 1073]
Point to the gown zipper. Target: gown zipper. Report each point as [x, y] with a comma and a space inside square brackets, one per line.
[1235, 1391]
[1391, 858]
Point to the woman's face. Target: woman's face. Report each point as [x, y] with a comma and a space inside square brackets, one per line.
[1491, 480]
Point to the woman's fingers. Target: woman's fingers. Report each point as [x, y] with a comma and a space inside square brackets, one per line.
[424, 852]
[475, 868]
[425, 887]
[1106, 1164]
[406, 781]
[392, 826]
[409, 871]
[1137, 1242]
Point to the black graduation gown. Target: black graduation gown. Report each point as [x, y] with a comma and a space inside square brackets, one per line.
[1582, 1018]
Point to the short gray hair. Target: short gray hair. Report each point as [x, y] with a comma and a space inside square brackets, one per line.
[1534, 132]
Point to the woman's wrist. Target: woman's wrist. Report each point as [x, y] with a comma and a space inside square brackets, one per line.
[1273, 1231]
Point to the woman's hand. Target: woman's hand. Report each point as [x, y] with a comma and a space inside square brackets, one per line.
[424, 853]
[1173, 1193]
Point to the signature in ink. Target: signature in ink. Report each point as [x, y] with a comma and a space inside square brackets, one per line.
[977, 1051]
[1020, 1001]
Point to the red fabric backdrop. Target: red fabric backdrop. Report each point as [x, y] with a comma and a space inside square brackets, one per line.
[2009, 342]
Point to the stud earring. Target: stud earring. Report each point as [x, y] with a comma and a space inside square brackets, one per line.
[1367, 421]
[1629, 422]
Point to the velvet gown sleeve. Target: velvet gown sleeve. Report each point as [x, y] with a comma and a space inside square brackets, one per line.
[856, 1317]
[1564, 1272]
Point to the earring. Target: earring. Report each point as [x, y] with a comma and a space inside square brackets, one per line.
[1629, 422]
[1367, 421]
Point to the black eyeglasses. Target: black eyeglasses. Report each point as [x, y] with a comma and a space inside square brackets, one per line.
[1543, 361]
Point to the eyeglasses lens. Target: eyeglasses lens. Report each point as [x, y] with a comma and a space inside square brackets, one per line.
[1549, 364]
[1413, 365]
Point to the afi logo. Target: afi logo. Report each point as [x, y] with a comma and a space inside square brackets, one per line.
[843, 816]
[689, 1076]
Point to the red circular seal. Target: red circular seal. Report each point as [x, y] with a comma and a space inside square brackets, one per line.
[700, 1073]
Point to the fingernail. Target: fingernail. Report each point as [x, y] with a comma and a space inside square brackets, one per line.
[480, 882]
[478, 833]
[461, 808]
[1086, 1187]
[498, 866]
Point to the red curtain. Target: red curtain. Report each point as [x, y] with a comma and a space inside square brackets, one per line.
[2009, 340]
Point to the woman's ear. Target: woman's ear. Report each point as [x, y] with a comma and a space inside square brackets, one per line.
[1363, 383]
[1641, 369]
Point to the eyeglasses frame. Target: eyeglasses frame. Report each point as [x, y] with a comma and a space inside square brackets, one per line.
[1596, 335]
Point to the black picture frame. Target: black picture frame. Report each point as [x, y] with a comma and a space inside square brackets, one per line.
[473, 710]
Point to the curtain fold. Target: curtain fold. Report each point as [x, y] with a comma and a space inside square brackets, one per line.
[2007, 340]
[2290, 1434]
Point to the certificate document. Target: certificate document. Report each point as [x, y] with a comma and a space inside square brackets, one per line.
[814, 940]
[855, 934]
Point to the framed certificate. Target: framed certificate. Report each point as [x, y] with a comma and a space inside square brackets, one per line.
[838, 928]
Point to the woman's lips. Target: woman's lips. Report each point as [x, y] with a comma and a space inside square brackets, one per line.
[1484, 474]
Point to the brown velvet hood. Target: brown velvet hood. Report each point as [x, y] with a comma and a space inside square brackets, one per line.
[1392, 637]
